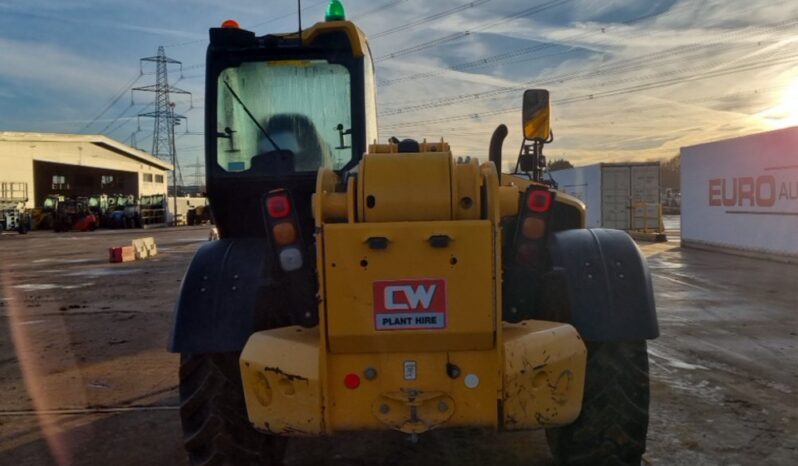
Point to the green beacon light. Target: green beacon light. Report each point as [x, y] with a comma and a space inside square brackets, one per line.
[335, 11]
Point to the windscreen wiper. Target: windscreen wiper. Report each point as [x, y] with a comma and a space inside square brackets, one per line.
[251, 116]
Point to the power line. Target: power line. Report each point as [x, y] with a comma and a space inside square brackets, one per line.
[680, 80]
[459, 35]
[111, 103]
[125, 121]
[427, 19]
[492, 59]
[117, 118]
[758, 92]
[669, 56]
[384, 6]
[615, 92]
[631, 110]
[289, 14]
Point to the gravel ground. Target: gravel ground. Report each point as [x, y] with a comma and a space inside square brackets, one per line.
[85, 378]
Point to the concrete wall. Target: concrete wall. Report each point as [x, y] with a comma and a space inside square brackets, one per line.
[741, 195]
[17, 157]
[16, 165]
[153, 183]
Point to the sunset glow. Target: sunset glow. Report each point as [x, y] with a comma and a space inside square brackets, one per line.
[785, 113]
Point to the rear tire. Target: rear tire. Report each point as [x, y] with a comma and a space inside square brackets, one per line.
[216, 430]
[613, 424]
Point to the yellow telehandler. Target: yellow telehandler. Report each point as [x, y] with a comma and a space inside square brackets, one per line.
[360, 285]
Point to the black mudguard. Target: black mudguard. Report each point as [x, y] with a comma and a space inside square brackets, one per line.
[222, 296]
[604, 278]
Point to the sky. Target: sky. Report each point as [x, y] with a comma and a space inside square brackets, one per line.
[629, 79]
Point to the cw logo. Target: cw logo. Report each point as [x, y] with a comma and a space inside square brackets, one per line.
[405, 297]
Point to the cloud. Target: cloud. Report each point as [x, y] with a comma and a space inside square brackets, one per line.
[696, 71]
[54, 67]
[630, 79]
[70, 13]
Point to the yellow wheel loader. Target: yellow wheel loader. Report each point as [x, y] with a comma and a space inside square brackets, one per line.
[361, 286]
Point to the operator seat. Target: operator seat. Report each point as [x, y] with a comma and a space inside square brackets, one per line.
[297, 133]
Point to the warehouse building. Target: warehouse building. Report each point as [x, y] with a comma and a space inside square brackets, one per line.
[741, 195]
[34, 165]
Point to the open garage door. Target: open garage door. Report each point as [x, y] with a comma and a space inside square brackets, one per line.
[76, 180]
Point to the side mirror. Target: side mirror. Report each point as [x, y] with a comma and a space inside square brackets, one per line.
[537, 115]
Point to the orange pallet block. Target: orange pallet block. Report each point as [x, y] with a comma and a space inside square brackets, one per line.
[145, 247]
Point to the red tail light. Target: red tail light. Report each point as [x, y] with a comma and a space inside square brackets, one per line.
[539, 201]
[278, 206]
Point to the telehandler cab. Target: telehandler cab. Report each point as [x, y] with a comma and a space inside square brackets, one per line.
[358, 285]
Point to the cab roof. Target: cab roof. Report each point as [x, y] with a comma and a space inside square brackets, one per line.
[235, 37]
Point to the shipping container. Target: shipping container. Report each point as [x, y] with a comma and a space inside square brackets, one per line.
[183, 204]
[741, 195]
[625, 196]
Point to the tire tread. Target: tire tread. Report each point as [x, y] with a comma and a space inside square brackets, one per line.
[216, 430]
[612, 427]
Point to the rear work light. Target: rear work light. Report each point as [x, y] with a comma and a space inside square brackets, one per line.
[278, 205]
[539, 201]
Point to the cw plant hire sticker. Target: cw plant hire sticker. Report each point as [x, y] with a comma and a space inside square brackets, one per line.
[410, 304]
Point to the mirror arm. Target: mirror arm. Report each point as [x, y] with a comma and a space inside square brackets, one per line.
[341, 134]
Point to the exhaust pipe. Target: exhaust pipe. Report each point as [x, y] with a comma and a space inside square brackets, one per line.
[495, 151]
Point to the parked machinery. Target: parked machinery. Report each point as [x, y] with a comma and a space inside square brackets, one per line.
[132, 212]
[74, 214]
[14, 216]
[198, 215]
[98, 205]
[114, 213]
[48, 211]
[152, 209]
[122, 211]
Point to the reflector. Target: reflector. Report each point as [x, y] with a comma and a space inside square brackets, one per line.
[352, 381]
[527, 253]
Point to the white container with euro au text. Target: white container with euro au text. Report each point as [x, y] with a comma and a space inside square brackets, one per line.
[741, 195]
